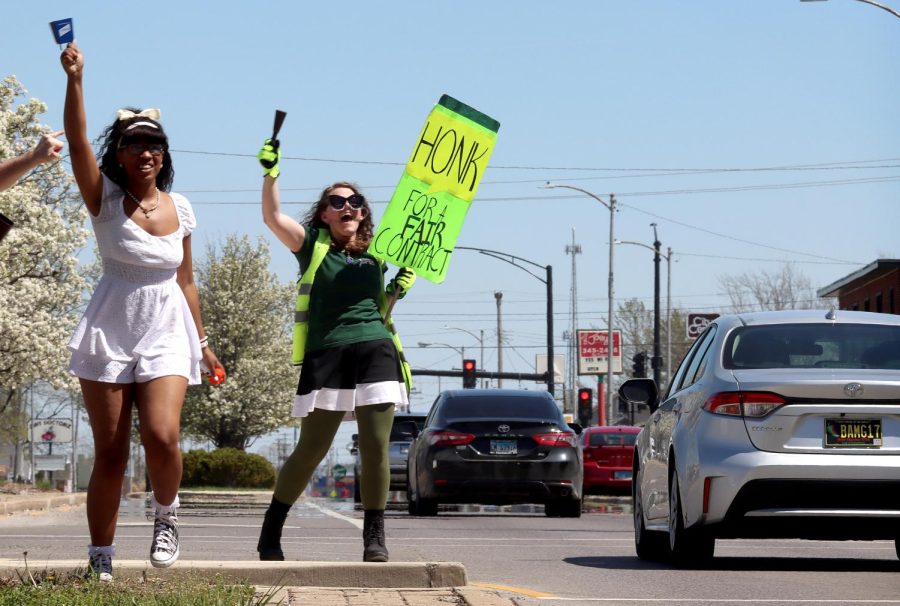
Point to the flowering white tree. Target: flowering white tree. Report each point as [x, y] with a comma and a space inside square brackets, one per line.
[247, 314]
[40, 286]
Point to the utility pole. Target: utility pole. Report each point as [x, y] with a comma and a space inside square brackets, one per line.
[572, 366]
[656, 363]
[499, 296]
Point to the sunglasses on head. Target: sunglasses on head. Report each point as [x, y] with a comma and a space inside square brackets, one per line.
[337, 202]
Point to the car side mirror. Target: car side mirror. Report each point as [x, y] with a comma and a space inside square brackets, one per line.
[407, 428]
[576, 427]
[640, 391]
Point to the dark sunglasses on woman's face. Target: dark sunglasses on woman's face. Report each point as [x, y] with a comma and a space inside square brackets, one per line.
[136, 149]
[337, 202]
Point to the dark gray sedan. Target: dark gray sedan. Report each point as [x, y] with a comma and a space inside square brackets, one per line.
[496, 447]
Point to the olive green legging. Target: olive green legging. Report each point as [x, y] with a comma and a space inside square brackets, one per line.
[317, 432]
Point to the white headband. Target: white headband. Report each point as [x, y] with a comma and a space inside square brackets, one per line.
[125, 114]
[142, 123]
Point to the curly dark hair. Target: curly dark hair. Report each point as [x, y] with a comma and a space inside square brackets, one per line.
[366, 227]
[114, 136]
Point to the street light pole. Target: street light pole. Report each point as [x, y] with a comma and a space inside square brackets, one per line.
[881, 6]
[468, 332]
[656, 332]
[548, 281]
[611, 205]
[499, 297]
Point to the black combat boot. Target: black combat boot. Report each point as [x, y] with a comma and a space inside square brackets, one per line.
[269, 546]
[373, 536]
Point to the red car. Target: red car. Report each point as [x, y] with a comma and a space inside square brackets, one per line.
[608, 454]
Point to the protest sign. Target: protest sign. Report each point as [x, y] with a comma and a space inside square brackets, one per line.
[425, 215]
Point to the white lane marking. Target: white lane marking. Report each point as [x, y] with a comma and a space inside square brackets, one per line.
[334, 514]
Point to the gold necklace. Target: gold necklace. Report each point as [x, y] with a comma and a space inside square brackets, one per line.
[140, 204]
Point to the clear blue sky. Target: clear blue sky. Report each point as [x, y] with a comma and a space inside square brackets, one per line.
[579, 88]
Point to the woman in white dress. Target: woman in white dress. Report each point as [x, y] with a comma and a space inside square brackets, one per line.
[141, 340]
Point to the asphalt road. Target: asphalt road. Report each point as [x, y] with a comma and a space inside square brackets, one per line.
[545, 561]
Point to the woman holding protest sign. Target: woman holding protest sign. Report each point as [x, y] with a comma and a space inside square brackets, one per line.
[352, 362]
[141, 340]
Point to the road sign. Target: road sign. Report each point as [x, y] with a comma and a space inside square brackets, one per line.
[50, 462]
[593, 352]
[559, 365]
[338, 472]
[697, 323]
[51, 430]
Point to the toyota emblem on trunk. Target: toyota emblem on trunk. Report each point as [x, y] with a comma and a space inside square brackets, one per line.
[503, 428]
[853, 390]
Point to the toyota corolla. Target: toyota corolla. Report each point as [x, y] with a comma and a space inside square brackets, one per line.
[776, 424]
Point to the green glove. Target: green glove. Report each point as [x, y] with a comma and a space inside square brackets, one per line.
[401, 283]
[269, 156]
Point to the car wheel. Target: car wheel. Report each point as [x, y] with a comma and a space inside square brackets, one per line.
[689, 547]
[412, 501]
[417, 506]
[571, 509]
[648, 544]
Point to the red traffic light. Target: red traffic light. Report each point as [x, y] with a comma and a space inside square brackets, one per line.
[470, 381]
[584, 394]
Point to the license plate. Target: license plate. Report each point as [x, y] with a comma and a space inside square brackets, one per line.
[853, 433]
[504, 447]
[622, 475]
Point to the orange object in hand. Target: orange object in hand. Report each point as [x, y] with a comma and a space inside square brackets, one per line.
[217, 377]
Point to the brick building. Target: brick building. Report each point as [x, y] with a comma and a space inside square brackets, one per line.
[875, 287]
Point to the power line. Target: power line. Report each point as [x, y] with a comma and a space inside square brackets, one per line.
[846, 165]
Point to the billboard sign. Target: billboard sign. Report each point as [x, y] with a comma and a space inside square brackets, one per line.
[593, 352]
[697, 323]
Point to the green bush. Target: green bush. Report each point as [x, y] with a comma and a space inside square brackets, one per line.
[227, 467]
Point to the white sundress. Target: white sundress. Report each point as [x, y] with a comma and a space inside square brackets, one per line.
[138, 311]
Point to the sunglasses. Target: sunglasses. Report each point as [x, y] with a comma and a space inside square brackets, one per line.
[337, 202]
[136, 149]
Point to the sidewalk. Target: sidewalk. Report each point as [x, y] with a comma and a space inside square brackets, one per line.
[295, 583]
[38, 501]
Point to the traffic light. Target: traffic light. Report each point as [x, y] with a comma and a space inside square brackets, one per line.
[638, 366]
[585, 405]
[469, 380]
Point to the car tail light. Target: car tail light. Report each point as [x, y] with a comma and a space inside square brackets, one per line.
[556, 439]
[449, 438]
[743, 403]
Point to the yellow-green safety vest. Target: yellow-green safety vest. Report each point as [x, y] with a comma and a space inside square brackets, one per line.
[301, 308]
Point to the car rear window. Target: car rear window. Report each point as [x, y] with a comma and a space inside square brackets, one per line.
[826, 345]
[497, 406]
[613, 439]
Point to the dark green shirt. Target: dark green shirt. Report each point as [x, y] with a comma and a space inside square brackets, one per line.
[343, 303]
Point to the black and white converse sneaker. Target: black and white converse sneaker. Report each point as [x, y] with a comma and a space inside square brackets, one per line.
[164, 550]
[100, 564]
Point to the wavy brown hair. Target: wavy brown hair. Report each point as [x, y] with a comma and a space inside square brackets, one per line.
[366, 227]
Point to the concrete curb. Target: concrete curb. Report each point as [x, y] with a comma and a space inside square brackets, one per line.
[287, 574]
[38, 502]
